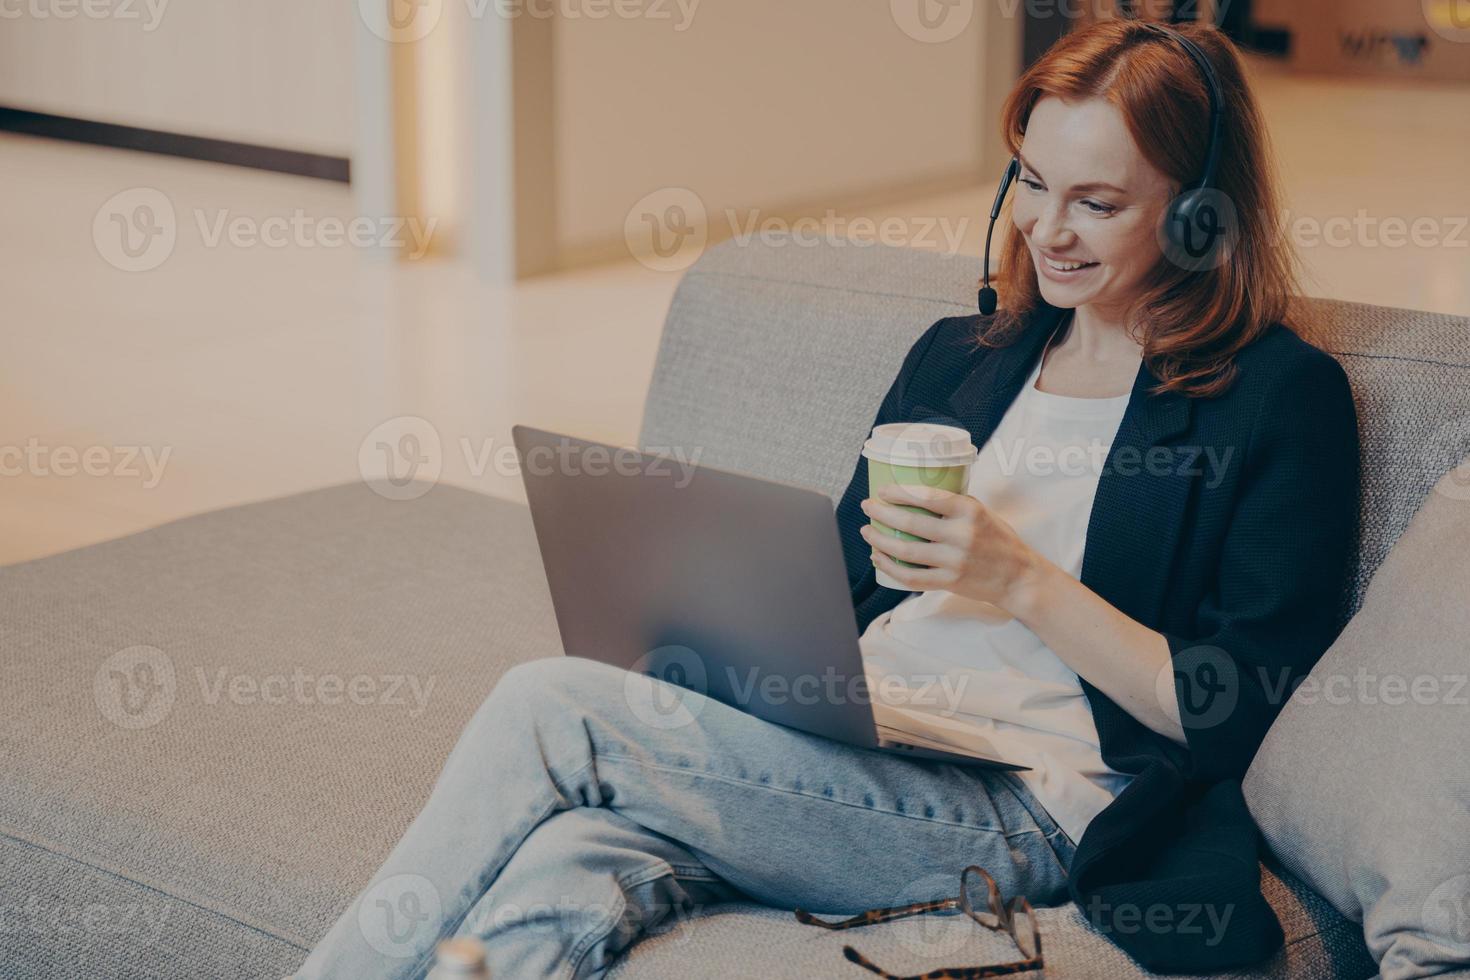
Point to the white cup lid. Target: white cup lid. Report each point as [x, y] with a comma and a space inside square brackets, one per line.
[920, 444]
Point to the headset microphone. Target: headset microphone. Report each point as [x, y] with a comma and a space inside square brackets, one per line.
[987, 294]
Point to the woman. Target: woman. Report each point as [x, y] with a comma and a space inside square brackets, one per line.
[1127, 628]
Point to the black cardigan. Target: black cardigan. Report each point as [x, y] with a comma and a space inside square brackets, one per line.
[1240, 564]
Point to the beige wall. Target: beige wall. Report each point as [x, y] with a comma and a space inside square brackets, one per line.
[274, 72]
[787, 107]
[758, 103]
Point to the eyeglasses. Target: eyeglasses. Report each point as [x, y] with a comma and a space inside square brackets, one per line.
[1018, 920]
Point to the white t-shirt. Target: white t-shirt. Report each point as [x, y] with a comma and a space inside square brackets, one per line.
[977, 672]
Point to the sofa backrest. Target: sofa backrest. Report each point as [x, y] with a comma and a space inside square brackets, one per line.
[774, 358]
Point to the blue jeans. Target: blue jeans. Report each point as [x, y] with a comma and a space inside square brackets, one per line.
[578, 810]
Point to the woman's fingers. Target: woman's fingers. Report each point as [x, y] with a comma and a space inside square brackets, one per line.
[918, 552]
[915, 579]
[895, 516]
[940, 501]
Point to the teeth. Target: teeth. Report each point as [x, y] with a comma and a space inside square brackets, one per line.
[1064, 266]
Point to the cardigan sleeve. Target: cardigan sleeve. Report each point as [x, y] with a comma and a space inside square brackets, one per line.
[1273, 610]
[861, 578]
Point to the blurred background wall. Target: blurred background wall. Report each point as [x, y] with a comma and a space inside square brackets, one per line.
[790, 108]
[272, 72]
[785, 105]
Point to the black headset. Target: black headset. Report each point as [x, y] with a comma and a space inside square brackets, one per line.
[1194, 224]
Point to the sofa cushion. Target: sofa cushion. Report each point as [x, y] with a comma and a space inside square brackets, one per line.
[160, 759]
[217, 825]
[1362, 786]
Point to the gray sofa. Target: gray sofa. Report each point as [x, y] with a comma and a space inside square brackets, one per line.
[184, 795]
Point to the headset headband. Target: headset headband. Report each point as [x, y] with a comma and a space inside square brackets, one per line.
[1212, 88]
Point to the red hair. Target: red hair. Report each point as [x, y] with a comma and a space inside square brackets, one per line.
[1191, 323]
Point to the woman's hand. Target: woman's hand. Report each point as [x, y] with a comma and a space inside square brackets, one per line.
[971, 552]
[978, 555]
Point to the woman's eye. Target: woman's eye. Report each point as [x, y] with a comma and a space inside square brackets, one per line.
[1035, 185]
[1097, 207]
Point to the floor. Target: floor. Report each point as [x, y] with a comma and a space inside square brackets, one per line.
[234, 372]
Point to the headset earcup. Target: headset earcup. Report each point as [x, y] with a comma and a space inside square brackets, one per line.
[1199, 228]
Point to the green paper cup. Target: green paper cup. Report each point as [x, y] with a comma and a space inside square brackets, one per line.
[916, 454]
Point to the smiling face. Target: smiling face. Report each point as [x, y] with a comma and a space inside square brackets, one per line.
[1088, 205]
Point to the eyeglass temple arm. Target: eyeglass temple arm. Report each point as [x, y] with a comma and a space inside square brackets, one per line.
[879, 915]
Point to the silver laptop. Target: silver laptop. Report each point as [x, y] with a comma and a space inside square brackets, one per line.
[724, 583]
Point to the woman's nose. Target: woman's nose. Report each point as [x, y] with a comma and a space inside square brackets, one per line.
[1051, 228]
